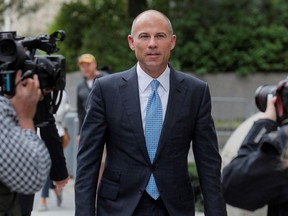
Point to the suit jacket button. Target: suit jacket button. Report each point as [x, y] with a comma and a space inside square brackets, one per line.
[140, 192]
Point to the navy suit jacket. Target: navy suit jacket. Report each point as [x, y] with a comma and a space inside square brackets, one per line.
[114, 117]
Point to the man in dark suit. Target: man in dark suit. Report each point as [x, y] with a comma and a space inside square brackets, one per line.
[134, 182]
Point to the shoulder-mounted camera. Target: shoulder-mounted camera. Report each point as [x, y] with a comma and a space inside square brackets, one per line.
[18, 52]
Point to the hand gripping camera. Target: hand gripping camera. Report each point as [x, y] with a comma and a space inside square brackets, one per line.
[20, 53]
[281, 105]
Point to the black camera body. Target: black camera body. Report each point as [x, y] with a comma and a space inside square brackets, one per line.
[281, 104]
[19, 53]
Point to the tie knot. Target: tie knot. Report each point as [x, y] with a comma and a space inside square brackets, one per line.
[154, 84]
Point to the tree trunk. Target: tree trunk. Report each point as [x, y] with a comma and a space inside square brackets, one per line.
[135, 7]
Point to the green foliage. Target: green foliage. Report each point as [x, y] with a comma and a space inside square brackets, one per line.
[212, 36]
[227, 36]
[98, 29]
[72, 19]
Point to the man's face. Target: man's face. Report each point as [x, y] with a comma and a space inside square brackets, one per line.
[88, 69]
[152, 42]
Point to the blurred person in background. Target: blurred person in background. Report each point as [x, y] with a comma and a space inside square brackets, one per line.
[25, 162]
[258, 175]
[45, 122]
[62, 131]
[88, 67]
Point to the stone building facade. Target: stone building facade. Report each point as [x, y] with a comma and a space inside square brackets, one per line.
[36, 23]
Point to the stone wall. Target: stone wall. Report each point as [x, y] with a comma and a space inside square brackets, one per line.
[232, 85]
[233, 98]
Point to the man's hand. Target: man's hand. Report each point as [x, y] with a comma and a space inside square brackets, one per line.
[62, 183]
[27, 95]
[270, 111]
[78, 139]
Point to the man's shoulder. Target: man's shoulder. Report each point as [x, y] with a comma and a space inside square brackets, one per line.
[189, 77]
[102, 73]
[4, 103]
[119, 75]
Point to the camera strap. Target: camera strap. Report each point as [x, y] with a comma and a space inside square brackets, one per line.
[56, 100]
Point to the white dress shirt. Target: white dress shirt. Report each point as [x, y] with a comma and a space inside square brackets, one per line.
[145, 89]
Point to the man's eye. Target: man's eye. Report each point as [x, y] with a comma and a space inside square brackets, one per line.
[160, 36]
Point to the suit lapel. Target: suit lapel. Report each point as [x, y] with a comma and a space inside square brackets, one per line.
[129, 93]
[175, 101]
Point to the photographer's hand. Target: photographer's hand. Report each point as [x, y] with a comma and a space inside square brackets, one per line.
[27, 95]
[270, 112]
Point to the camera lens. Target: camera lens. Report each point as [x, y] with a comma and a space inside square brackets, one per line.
[8, 50]
[261, 95]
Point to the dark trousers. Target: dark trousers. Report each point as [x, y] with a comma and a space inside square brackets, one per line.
[147, 206]
[26, 202]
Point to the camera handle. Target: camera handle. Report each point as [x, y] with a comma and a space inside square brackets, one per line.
[26, 75]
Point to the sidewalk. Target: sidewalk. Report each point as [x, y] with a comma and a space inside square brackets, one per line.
[67, 208]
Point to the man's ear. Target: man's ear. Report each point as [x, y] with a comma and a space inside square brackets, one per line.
[173, 41]
[131, 42]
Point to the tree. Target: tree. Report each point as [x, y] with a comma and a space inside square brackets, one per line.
[136, 7]
[98, 28]
[212, 35]
[162, 5]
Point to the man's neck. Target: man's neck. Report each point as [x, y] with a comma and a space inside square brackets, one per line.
[95, 74]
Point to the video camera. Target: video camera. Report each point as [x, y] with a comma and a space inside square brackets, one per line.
[18, 52]
[281, 105]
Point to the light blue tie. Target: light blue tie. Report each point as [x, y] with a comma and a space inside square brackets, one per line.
[153, 128]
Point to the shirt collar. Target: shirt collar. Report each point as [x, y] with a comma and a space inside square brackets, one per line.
[144, 79]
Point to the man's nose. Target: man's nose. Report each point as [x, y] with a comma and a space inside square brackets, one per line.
[152, 42]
